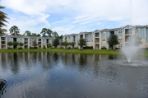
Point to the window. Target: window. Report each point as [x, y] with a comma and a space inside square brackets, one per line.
[81, 36]
[88, 37]
[47, 40]
[74, 38]
[2, 38]
[128, 31]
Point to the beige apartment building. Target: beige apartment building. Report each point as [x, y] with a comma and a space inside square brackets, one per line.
[26, 41]
[99, 39]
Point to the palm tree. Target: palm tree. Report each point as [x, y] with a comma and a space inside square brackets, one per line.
[14, 30]
[3, 18]
[27, 33]
[46, 32]
[2, 31]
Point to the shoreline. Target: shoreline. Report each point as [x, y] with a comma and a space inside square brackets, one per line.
[68, 51]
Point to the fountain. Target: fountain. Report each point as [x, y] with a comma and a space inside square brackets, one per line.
[131, 49]
[133, 53]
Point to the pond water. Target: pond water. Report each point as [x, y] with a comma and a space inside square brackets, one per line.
[52, 75]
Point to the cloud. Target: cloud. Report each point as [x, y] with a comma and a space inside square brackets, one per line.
[29, 23]
[29, 7]
[139, 14]
[75, 15]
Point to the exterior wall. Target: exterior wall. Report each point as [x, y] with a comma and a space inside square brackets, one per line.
[73, 38]
[89, 39]
[88, 36]
[104, 39]
[142, 35]
[27, 41]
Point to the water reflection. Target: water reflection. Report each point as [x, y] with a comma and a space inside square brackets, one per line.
[2, 87]
[14, 63]
[112, 57]
[53, 75]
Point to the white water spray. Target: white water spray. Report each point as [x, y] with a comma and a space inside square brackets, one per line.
[131, 49]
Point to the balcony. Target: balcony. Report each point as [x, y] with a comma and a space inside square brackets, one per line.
[3, 38]
[3, 46]
[3, 42]
[97, 40]
[128, 31]
[97, 46]
[97, 35]
[127, 38]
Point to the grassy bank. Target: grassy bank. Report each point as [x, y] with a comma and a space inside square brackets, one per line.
[72, 51]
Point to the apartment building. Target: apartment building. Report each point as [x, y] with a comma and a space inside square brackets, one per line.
[71, 38]
[98, 39]
[26, 41]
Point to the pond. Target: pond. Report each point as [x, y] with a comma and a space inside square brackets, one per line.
[52, 75]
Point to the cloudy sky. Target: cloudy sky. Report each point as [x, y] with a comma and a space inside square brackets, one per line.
[74, 16]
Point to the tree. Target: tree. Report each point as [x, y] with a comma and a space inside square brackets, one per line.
[55, 34]
[49, 45]
[3, 18]
[14, 30]
[65, 44]
[28, 33]
[72, 44]
[10, 44]
[15, 44]
[46, 32]
[20, 44]
[34, 34]
[56, 42]
[113, 40]
[60, 40]
[82, 43]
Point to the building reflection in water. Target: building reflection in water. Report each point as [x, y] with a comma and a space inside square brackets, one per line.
[13, 61]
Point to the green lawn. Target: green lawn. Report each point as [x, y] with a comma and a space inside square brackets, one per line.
[77, 51]
[72, 51]
[68, 51]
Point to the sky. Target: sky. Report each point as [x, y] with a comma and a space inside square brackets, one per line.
[74, 16]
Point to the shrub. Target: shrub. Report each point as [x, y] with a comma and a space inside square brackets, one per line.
[20, 44]
[87, 47]
[49, 46]
[10, 43]
[104, 48]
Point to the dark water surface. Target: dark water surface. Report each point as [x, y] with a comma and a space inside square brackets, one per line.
[46, 75]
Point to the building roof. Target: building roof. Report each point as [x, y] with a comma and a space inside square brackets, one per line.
[85, 32]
